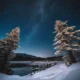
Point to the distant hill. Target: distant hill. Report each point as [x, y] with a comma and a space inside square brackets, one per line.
[26, 57]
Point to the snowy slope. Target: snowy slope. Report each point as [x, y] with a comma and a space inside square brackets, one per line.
[57, 72]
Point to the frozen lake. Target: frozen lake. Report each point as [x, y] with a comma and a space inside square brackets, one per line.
[26, 70]
[12, 62]
[22, 71]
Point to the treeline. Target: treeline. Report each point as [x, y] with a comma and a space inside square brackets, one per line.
[54, 58]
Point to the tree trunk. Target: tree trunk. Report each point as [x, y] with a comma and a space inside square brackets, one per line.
[69, 58]
[72, 58]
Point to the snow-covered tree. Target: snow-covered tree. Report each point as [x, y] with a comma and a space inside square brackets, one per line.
[66, 39]
[7, 46]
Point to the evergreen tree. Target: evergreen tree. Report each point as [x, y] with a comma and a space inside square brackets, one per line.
[66, 39]
[7, 46]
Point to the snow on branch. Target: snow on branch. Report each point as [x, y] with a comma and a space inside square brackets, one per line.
[64, 36]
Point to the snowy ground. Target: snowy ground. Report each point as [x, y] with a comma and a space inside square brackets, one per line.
[57, 72]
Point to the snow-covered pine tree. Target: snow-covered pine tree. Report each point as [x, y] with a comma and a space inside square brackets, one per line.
[7, 46]
[66, 39]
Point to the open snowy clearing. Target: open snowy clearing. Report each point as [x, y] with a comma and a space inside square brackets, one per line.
[57, 72]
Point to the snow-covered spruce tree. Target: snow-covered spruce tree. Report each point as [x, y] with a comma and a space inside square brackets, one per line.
[66, 40]
[7, 46]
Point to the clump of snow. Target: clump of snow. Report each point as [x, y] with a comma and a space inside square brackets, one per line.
[57, 72]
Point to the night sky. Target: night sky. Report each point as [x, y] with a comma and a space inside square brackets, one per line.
[36, 19]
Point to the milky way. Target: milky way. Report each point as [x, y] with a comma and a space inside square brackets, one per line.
[36, 19]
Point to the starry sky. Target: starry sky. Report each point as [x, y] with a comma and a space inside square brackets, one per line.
[36, 19]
